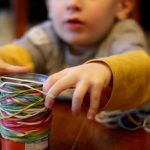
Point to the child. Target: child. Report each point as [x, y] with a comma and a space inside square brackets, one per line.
[78, 30]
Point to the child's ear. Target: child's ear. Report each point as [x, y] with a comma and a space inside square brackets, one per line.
[125, 8]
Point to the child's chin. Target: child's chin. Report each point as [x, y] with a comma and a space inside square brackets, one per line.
[77, 41]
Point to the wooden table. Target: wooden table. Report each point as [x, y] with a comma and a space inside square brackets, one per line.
[77, 133]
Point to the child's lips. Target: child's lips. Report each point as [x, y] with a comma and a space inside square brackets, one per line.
[74, 24]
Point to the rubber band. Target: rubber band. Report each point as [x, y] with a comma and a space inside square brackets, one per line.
[131, 120]
[23, 116]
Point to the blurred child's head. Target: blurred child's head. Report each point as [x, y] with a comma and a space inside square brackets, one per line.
[85, 22]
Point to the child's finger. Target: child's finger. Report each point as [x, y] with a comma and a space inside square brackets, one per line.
[59, 86]
[78, 96]
[8, 69]
[95, 96]
[52, 79]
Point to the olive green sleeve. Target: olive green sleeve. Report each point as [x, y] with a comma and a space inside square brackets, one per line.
[16, 55]
[131, 79]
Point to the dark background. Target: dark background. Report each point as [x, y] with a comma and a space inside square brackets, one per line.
[37, 11]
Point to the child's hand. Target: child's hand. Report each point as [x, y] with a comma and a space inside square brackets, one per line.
[91, 77]
[6, 68]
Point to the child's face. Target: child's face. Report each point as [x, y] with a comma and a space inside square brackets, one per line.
[83, 22]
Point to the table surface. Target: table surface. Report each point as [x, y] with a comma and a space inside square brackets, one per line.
[78, 133]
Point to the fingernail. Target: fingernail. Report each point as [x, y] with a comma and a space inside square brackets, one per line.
[90, 117]
[48, 103]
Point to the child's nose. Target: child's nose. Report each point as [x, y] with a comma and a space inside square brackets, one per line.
[74, 5]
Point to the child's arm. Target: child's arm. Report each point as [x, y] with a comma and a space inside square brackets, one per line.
[130, 88]
[131, 79]
[15, 59]
[37, 49]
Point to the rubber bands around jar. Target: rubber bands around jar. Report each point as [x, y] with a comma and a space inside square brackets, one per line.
[25, 122]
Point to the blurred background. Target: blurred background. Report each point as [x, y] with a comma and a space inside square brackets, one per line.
[16, 16]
